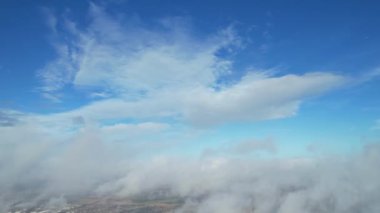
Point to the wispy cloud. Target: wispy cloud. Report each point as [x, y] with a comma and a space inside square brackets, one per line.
[167, 71]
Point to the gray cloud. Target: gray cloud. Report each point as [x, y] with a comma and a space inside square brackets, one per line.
[8, 118]
[249, 146]
[36, 169]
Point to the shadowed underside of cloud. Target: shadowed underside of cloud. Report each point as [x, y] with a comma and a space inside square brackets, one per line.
[9, 118]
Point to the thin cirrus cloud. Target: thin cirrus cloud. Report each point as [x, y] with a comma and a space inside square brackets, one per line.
[169, 72]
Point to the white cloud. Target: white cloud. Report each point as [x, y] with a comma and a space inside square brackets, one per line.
[166, 73]
[248, 100]
[170, 72]
[258, 99]
[147, 126]
[124, 132]
[112, 54]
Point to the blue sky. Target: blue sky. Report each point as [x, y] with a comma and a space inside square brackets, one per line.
[231, 106]
[190, 76]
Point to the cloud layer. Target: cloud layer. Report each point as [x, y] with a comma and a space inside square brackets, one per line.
[44, 171]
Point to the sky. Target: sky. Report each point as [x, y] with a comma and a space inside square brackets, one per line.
[131, 81]
[132, 62]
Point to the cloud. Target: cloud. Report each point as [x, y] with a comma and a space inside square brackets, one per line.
[130, 58]
[42, 169]
[156, 83]
[249, 100]
[288, 185]
[134, 128]
[369, 76]
[124, 132]
[250, 146]
[258, 99]
[8, 118]
[167, 71]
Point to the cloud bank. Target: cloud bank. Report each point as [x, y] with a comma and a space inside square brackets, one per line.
[44, 171]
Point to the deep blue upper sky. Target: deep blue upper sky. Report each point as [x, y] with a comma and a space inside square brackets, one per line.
[298, 35]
